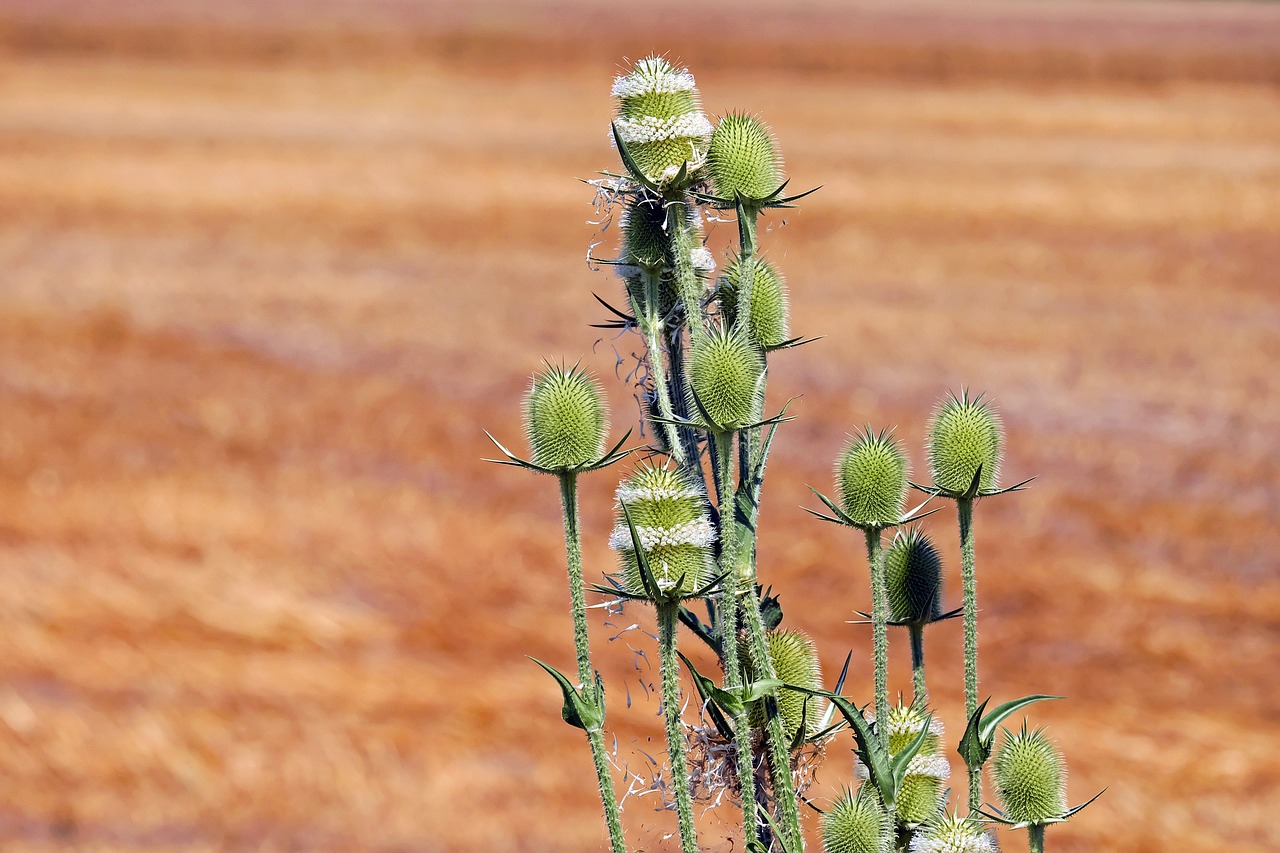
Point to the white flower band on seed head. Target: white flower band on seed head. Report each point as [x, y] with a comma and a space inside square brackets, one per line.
[702, 259]
[654, 129]
[900, 726]
[697, 533]
[929, 765]
[630, 494]
[652, 77]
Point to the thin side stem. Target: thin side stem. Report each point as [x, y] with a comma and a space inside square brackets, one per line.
[688, 285]
[919, 690]
[880, 631]
[964, 507]
[667, 614]
[650, 329]
[573, 559]
[1035, 834]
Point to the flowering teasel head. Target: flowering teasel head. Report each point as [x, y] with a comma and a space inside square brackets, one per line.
[857, 823]
[743, 159]
[913, 576]
[952, 834]
[566, 419]
[768, 317]
[725, 380]
[871, 480]
[670, 519]
[660, 120]
[1031, 778]
[965, 438]
[921, 795]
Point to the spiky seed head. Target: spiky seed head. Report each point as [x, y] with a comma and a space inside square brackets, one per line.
[952, 834]
[913, 575]
[659, 118]
[920, 798]
[871, 479]
[768, 320]
[724, 373]
[670, 516]
[795, 661]
[963, 434]
[565, 418]
[1031, 777]
[857, 823]
[644, 235]
[743, 159]
[904, 724]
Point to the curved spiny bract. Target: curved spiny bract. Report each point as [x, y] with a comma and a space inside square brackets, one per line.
[964, 434]
[660, 119]
[857, 823]
[1031, 778]
[725, 380]
[743, 159]
[769, 318]
[670, 516]
[913, 575]
[871, 479]
[566, 418]
[952, 834]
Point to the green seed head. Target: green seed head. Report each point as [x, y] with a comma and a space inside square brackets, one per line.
[1031, 777]
[769, 310]
[905, 722]
[857, 823]
[920, 798]
[964, 434]
[795, 661]
[644, 235]
[871, 479]
[670, 516]
[725, 373]
[659, 118]
[952, 834]
[565, 418]
[913, 574]
[743, 159]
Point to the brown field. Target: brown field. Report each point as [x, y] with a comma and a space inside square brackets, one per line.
[265, 275]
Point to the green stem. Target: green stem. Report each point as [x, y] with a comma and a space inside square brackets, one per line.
[667, 614]
[729, 626]
[650, 328]
[1035, 834]
[965, 510]
[688, 285]
[880, 632]
[746, 265]
[919, 690]
[573, 558]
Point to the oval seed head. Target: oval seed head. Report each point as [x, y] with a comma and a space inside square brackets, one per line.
[743, 159]
[871, 479]
[913, 574]
[921, 796]
[670, 516]
[768, 321]
[795, 661]
[644, 234]
[659, 118]
[1031, 777]
[724, 374]
[857, 823]
[953, 834]
[565, 418]
[964, 434]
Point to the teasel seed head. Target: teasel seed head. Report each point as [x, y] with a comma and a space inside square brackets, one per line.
[913, 575]
[743, 159]
[965, 433]
[904, 723]
[1031, 777]
[660, 119]
[795, 661]
[871, 479]
[952, 834]
[857, 823]
[645, 242]
[768, 320]
[726, 377]
[566, 418]
[670, 515]
[921, 795]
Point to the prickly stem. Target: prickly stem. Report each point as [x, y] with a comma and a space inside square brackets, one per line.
[919, 691]
[688, 285]
[667, 614]
[964, 508]
[650, 327]
[1035, 834]
[880, 632]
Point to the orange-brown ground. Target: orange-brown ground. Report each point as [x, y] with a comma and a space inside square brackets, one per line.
[266, 274]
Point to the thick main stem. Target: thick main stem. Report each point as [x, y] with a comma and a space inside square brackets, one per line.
[667, 614]
[964, 507]
[729, 626]
[1035, 835]
[879, 632]
[688, 285]
[650, 328]
[919, 691]
[573, 559]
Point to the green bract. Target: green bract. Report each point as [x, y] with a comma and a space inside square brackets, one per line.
[871, 479]
[913, 575]
[769, 310]
[659, 118]
[743, 159]
[952, 834]
[726, 373]
[670, 516]
[565, 418]
[963, 435]
[857, 823]
[1031, 778]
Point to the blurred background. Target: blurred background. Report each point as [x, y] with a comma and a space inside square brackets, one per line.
[267, 270]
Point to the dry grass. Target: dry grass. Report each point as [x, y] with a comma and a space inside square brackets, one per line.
[266, 277]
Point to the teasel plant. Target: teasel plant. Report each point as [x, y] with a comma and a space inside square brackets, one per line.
[686, 519]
